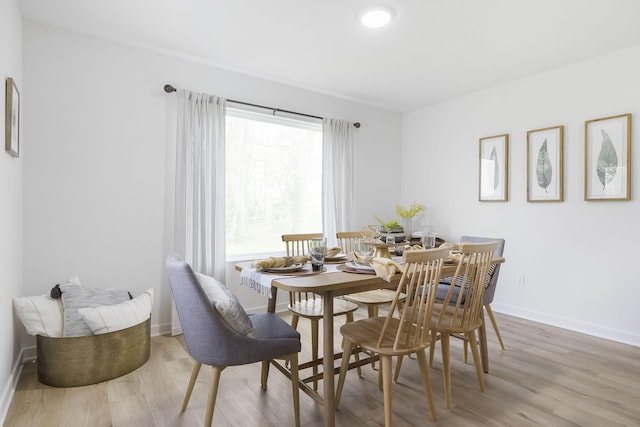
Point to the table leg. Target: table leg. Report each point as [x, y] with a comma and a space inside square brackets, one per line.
[327, 364]
[484, 352]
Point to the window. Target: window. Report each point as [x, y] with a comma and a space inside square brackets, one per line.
[273, 180]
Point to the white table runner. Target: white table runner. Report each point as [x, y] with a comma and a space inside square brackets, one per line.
[261, 282]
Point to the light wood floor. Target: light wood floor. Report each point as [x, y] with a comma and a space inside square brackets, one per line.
[546, 376]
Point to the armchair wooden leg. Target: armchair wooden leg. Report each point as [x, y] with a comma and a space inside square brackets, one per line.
[295, 387]
[192, 381]
[487, 307]
[213, 393]
[265, 374]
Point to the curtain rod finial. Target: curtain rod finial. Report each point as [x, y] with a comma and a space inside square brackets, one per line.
[169, 88]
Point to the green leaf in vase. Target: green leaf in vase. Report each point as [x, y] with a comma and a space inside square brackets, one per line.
[544, 171]
[607, 161]
[496, 168]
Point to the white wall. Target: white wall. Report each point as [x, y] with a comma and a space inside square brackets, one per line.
[99, 159]
[11, 185]
[577, 256]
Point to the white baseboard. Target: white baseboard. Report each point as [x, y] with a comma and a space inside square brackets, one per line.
[570, 324]
[10, 388]
[280, 307]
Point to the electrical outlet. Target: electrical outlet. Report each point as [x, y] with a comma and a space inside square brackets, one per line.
[520, 280]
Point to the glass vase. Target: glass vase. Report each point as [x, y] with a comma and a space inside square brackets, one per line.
[407, 225]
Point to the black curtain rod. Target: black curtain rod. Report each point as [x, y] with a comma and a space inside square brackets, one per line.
[170, 89]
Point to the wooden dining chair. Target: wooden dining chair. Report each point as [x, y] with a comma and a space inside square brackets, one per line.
[402, 332]
[491, 283]
[460, 311]
[371, 299]
[489, 288]
[308, 304]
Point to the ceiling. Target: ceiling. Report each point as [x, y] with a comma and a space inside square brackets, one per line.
[432, 51]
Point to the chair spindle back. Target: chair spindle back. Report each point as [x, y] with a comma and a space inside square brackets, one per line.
[470, 277]
[419, 282]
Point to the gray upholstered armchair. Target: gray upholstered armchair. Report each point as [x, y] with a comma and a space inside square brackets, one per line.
[211, 341]
[490, 288]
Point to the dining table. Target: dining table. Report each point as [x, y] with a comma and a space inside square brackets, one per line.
[335, 282]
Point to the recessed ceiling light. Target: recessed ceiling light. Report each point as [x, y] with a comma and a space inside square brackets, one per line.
[375, 17]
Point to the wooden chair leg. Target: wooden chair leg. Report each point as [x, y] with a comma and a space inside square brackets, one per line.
[398, 366]
[446, 368]
[213, 393]
[372, 311]
[294, 321]
[424, 370]
[344, 367]
[314, 348]
[471, 335]
[294, 325]
[356, 356]
[385, 368]
[465, 347]
[487, 307]
[432, 347]
[265, 374]
[295, 387]
[192, 381]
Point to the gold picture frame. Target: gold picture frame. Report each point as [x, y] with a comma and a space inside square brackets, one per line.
[12, 118]
[607, 158]
[545, 174]
[493, 177]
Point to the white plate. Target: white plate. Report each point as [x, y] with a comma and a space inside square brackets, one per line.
[289, 269]
[337, 257]
[358, 266]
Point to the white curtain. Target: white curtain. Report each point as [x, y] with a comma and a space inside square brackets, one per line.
[337, 177]
[199, 219]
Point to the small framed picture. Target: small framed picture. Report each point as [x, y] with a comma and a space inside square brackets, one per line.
[12, 119]
[544, 164]
[493, 182]
[607, 158]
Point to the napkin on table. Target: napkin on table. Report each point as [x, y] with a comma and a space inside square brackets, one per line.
[333, 251]
[386, 268]
[277, 262]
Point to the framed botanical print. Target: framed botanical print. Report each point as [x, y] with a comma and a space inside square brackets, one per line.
[607, 158]
[12, 118]
[545, 164]
[493, 169]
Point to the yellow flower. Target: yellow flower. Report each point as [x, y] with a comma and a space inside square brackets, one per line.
[413, 210]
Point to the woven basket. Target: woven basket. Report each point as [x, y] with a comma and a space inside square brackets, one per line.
[78, 361]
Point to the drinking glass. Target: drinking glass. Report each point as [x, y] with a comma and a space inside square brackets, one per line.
[428, 240]
[364, 251]
[317, 250]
